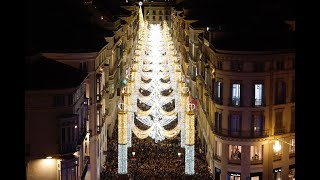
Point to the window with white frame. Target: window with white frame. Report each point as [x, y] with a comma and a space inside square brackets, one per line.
[219, 149]
[258, 94]
[292, 146]
[256, 152]
[219, 85]
[235, 94]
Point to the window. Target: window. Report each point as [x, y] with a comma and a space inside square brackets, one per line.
[278, 129]
[257, 123]
[258, 67]
[258, 94]
[147, 17]
[293, 63]
[70, 99]
[219, 149]
[293, 120]
[154, 12]
[277, 174]
[63, 135]
[292, 172]
[280, 65]
[218, 92]
[236, 66]
[293, 95]
[256, 153]
[98, 82]
[234, 152]
[219, 65]
[234, 124]
[235, 101]
[218, 121]
[292, 147]
[84, 66]
[153, 18]
[280, 96]
[59, 100]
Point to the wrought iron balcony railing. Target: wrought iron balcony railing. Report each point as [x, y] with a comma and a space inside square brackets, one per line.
[240, 134]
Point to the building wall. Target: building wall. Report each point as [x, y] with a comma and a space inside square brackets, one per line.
[156, 12]
[204, 64]
[40, 169]
[41, 124]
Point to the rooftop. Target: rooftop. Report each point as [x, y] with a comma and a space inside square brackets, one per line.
[249, 41]
[45, 74]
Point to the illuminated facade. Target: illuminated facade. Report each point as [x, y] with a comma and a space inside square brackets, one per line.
[108, 68]
[245, 99]
[156, 12]
[55, 120]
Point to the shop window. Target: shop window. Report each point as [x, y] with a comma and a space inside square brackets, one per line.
[234, 152]
[233, 176]
[277, 174]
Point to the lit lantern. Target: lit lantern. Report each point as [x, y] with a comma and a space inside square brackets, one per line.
[277, 146]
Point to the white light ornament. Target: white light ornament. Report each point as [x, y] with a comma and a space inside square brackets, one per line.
[277, 147]
[189, 126]
[122, 124]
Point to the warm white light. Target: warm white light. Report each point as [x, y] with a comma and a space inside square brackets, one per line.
[122, 128]
[76, 127]
[189, 160]
[208, 28]
[140, 3]
[189, 128]
[133, 153]
[49, 157]
[277, 146]
[122, 159]
[101, 17]
[179, 154]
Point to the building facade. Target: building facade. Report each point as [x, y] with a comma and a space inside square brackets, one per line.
[108, 70]
[244, 97]
[55, 123]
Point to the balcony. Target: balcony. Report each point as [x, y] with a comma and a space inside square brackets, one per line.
[237, 162]
[218, 100]
[258, 103]
[82, 135]
[85, 168]
[256, 161]
[68, 148]
[240, 134]
[278, 131]
[292, 154]
[234, 102]
[276, 157]
[216, 157]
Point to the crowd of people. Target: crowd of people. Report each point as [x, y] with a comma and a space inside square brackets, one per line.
[150, 160]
